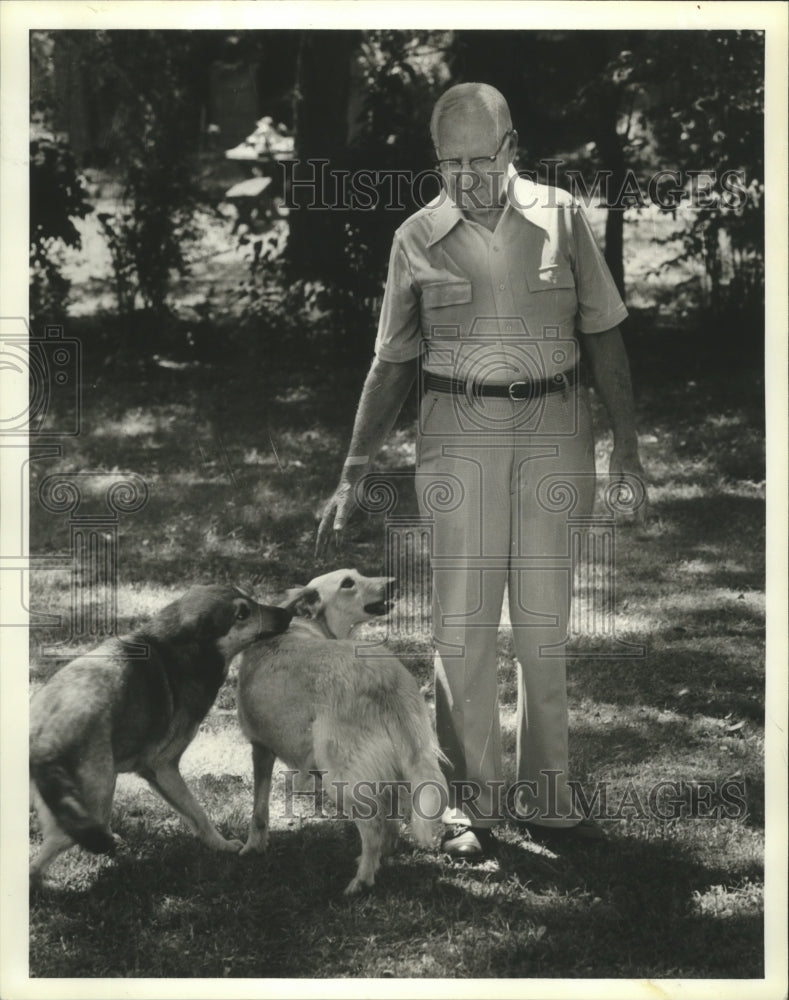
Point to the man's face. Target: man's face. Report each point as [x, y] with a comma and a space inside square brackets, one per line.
[474, 180]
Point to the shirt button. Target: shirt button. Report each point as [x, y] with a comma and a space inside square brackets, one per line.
[495, 248]
[508, 326]
[502, 286]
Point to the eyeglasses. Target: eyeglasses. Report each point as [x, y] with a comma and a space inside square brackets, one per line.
[475, 162]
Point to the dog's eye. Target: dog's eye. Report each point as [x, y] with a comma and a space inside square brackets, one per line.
[347, 583]
[243, 613]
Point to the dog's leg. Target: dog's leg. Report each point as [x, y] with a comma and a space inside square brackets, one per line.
[391, 837]
[56, 840]
[372, 832]
[95, 782]
[99, 782]
[166, 779]
[397, 805]
[262, 766]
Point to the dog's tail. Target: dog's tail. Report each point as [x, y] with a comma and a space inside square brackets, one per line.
[428, 790]
[63, 798]
[429, 798]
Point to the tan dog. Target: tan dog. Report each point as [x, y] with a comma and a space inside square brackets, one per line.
[308, 698]
[111, 712]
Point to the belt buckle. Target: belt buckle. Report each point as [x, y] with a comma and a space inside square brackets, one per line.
[512, 387]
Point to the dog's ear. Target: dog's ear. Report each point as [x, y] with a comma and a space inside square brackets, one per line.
[304, 602]
[204, 613]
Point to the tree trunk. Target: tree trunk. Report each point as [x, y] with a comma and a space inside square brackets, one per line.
[609, 144]
[614, 246]
[317, 231]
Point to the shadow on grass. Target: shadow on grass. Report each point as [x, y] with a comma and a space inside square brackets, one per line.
[622, 909]
[689, 681]
[239, 457]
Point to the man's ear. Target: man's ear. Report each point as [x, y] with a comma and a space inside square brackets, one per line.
[304, 602]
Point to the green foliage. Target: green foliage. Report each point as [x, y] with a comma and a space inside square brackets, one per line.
[709, 116]
[282, 320]
[149, 78]
[117, 230]
[57, 197]
[638, 101]
[693, 103]
[396, 76]
[402, 74]
[647, 101]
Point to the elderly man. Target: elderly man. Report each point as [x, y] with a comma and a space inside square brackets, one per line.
[491, 287]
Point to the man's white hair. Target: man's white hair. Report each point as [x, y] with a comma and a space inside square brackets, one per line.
[470, 98]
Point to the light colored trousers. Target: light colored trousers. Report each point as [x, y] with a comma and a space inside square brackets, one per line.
[488, 475]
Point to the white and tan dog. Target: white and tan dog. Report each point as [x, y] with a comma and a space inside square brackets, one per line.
[308, 698]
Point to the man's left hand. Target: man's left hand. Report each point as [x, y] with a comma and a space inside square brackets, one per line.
[625, 462]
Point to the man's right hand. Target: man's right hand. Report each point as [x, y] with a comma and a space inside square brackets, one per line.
[336, 514]
[385, 389]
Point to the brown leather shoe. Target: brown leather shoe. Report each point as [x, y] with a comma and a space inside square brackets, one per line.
[588, 829]
[470, 843]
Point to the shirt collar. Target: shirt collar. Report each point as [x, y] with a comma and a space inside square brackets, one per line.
[522, 194]
[446, 215]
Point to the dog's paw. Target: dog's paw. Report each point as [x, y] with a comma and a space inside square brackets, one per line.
[357, 886]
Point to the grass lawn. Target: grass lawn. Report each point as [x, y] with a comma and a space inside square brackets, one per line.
[237, 465]
[238, 455]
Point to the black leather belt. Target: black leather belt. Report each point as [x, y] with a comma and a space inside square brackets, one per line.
[527, 389]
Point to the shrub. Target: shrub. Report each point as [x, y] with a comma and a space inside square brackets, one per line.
[57, 197]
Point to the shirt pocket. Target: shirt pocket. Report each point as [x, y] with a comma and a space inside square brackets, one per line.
[446, 309]
[552, 277]
[440, 294]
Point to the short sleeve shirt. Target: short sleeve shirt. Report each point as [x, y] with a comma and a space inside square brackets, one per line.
[496, 303]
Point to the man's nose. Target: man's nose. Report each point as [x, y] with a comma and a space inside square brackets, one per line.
[464, 168]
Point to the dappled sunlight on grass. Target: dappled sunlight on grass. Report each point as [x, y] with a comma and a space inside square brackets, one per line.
[704, 567]
[673, 490]
[236, 479]
[723, 901]
[133, 424]
[218, 742]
